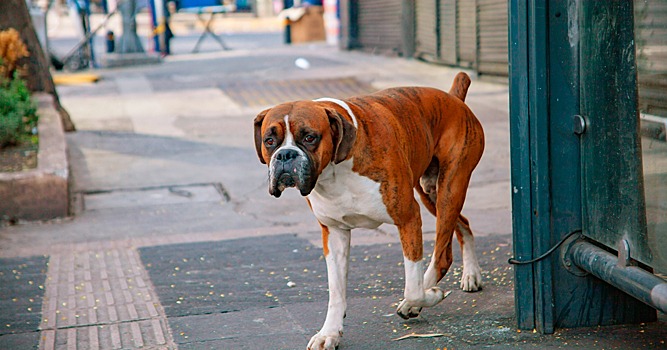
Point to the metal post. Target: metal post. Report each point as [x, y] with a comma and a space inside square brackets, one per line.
[408, 23]
[633, 280]
[129, 42]
[529, 122]
[349, 28]
[287, 33]
[524, 295]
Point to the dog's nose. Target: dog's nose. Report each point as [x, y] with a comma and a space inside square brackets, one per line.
[286, 154]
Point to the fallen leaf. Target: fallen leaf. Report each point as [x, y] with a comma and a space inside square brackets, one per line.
[415, 335]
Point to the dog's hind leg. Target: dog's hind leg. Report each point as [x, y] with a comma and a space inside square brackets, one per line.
[457, 159]
[428, 192]
[471, 279]
[452, 185]
[428, 186]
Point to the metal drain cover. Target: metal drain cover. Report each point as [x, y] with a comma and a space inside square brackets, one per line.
[266, 93]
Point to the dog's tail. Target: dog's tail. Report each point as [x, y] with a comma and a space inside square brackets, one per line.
[460, 86]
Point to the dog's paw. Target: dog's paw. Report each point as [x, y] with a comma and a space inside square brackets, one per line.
[406, 312]
[324, 341]
[471, 281]
[411, 309]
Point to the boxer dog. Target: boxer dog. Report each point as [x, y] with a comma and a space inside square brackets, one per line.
[357, 162]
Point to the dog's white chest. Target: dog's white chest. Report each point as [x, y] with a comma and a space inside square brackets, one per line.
[345, 199]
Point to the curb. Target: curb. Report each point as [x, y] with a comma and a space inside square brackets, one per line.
[115, 60]
[40, 193]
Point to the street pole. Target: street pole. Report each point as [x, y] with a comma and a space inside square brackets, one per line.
[129, 42]
[161, 26]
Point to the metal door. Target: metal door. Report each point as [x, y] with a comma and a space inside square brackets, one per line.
[576, 164]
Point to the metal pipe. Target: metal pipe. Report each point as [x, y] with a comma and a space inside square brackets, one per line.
[632, 280]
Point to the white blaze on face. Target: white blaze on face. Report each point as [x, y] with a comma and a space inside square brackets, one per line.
[288, 143]
[289, 138]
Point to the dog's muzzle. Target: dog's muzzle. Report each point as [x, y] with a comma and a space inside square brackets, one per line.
[289, 168]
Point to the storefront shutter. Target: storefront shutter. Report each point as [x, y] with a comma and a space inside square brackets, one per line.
[379, 25]
[427, 31]
[493, 49]
[448, 52]
[466, 33]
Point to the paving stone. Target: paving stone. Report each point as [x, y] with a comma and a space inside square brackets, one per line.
[259, 341]
[225, 276]
[242, 324]
[21, 294]
[101, 300]
[19, 341]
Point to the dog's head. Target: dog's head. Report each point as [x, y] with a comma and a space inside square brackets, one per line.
[298, 140]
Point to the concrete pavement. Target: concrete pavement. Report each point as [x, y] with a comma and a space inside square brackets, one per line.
[177, 244]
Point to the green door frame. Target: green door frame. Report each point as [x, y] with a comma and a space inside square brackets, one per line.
[545, 96]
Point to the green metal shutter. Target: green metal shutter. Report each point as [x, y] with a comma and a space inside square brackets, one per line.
[492, 24]
[379, 24]
[466, 33]
[448, 52]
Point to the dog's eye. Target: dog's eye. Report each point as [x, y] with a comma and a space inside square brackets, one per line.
[269, 141]
[309, 139]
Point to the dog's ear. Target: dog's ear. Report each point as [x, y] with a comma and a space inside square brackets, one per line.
[258, 134]
[343, 135]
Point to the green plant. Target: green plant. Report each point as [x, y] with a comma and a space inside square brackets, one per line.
[12, 50]
[18, 118]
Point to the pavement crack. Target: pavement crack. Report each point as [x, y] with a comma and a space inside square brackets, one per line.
[172, 188]
[100, 323]
[222, 191]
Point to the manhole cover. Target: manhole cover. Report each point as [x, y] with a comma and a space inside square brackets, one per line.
[254, 94]
[163, 195]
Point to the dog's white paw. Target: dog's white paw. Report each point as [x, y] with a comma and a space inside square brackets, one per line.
[471, 281]
[324, 341]
[411, 309]
[405, 311]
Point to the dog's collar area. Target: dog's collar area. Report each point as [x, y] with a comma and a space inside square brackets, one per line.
[342, 104]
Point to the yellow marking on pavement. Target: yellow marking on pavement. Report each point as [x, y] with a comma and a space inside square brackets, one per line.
[75, 79]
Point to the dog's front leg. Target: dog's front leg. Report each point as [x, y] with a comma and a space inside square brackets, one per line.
[336, 245]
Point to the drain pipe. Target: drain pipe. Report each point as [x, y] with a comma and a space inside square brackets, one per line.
[618, 272]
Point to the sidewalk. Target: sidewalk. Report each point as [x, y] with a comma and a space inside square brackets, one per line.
[177, 244]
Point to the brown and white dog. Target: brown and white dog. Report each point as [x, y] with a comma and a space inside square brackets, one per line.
[357, 162]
